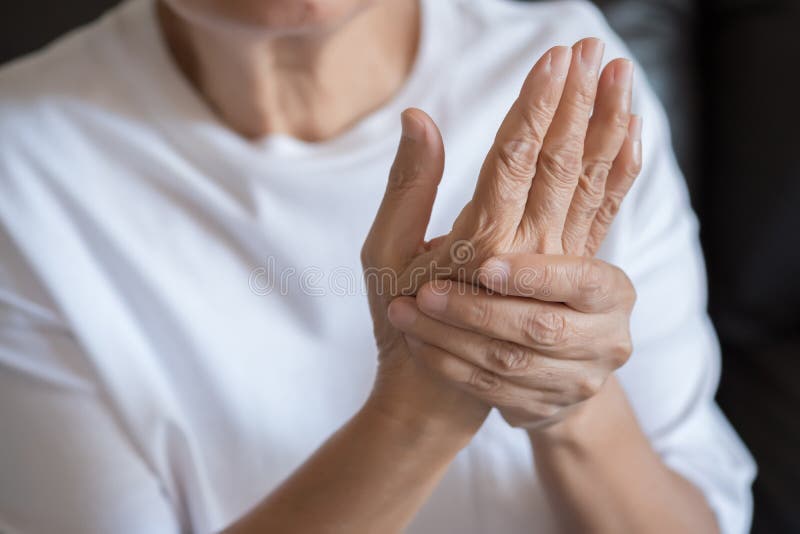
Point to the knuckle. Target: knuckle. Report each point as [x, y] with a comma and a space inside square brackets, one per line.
[484, 381]
[588, 386]
[605, 214]
[535, 116]
[592, 243]
[562, 164]
[608, 210]
[593, 178]
[621, 352]
[593, 281]
[486, 239]
[509, 358]
[545, 327]
[479, 313]
[619, 119]
[627, 290]
[613, 201]
[514, 161]
[633, 168]
[591, 188]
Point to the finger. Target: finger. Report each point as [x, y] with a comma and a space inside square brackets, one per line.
[552, 329]
[512, 361]
[505, 178]
[584, 284]
[608, 128]
[404, 213]
[487, 386]
[620, 179]
[560, 160]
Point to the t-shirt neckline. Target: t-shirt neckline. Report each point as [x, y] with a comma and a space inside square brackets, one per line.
[164, 85]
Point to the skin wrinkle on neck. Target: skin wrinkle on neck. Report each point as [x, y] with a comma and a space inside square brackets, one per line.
[311, 85]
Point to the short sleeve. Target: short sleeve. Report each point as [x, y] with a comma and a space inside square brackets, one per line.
[672, 376]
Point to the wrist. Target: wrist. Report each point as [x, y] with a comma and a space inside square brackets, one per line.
[585, 424]
[413, 429]
[567, 433]
[422, 406]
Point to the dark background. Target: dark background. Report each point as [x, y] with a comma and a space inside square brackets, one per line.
[727, 72]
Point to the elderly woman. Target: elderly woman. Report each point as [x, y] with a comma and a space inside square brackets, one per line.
[185, 341]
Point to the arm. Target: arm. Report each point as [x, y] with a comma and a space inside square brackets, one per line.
[371, 476]
[602, 474]
[545, 362]
[66, 463]
[636, 456]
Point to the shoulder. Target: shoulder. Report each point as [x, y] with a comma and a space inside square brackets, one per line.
[495, 43]
[44, 94]
[66, 68]
[583, 11]
[64, 110]
[554, 20]
[61, 64]
[49, 102]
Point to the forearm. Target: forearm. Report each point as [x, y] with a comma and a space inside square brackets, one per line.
[370, 476]
[602, 475]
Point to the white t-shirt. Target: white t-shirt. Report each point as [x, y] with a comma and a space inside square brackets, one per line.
[182, 318]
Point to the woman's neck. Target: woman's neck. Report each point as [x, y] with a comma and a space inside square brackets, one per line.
[311, 86]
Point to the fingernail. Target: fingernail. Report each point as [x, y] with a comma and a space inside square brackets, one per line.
[433, 297]
[402, 314]
[623, 73]
[494, 274]
[591, 53]
[412, 128]
[635, 133]
[560, 58]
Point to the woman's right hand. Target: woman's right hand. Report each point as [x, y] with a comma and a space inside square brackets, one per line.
[562, 130]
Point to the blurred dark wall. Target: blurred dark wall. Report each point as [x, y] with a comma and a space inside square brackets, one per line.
[751, 214]
[28, 25]
[727, 72]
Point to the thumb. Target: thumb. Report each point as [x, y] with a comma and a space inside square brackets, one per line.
[403, 216]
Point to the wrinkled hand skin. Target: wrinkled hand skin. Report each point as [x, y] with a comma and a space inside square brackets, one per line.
[542, 343]
[555, 323]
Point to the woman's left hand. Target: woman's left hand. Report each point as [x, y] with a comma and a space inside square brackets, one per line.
[543, 338]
